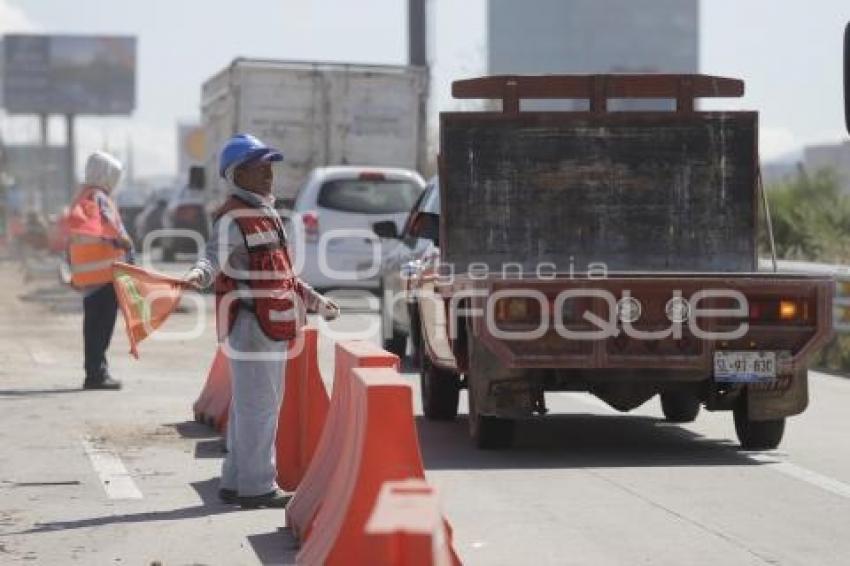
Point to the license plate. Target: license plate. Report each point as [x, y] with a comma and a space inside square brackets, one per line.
[744, 367]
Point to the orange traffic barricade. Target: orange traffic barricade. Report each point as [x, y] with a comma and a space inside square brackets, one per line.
[303, 411]
[406, 527]
[380, 445]
[329, 452]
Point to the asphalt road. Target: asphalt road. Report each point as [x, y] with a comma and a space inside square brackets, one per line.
[583, 485]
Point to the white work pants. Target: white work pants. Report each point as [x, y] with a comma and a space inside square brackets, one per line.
[257, 386]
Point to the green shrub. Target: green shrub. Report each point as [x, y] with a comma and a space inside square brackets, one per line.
[811, 222]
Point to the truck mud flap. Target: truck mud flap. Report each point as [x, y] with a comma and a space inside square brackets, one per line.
[500, 391]
[775, 401]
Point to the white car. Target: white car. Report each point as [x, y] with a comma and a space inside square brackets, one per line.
[331, 233]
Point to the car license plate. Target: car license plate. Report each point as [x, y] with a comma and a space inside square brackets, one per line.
[744, 367]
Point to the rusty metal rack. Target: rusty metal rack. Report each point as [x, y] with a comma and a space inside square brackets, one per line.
[598, 89]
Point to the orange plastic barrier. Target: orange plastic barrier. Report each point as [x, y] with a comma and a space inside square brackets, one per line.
[329, 456]
[406, 527]
[380, 445]
[213, 404]
[303, 411]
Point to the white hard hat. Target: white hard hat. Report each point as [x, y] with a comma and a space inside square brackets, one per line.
[102, 171]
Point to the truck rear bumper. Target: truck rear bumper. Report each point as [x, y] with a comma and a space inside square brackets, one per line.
[688, 350]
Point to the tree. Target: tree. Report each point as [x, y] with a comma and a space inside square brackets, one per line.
[811, 218]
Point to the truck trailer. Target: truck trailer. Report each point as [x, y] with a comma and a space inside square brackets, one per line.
[317, 114]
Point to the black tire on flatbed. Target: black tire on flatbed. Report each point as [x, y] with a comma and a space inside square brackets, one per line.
[757, 435]
[396, 344]
[679, 406]
[416, 352]
[440, 390]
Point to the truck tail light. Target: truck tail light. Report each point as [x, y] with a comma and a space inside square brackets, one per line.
[779, 310]
[310, 220]
[518, 309]
[788, 310]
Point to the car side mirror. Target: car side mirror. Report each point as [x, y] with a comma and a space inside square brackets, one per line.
[426, 225]
[847, 77]
[386, 229]
[197, 177]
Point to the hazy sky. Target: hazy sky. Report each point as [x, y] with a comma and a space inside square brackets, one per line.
[789, 52]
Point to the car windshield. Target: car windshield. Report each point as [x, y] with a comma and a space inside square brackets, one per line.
[432, 201]
[369, 196]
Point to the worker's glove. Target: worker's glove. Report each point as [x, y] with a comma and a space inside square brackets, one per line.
[193, 280]
[124, 243]
[328, 309]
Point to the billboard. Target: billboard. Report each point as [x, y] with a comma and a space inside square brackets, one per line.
[68, 74]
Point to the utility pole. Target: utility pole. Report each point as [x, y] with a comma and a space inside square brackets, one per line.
[417, 35]
[71, 147]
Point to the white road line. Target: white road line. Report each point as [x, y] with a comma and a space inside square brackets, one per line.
[39, 354]
[825, 483]
[114, 477]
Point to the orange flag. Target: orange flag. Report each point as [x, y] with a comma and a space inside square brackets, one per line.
[146, 300]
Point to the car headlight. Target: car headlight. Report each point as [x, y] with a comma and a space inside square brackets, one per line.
[678, 310]
[629, 309]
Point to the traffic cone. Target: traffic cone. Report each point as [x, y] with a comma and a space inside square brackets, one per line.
[328, 455]
[303, 411]
[381, 445]
[406, 527]
[213, 404]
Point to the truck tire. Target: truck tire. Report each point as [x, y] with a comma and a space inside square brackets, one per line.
[679, 406]
[440, 390]
[757, 435]
[415, 337]
[396, 344]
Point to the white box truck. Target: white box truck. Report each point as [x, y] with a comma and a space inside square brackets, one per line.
[317, 114]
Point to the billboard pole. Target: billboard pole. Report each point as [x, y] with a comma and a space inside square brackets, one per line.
[45, 161]
[71, 147]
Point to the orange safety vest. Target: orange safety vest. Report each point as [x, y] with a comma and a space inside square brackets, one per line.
[92, 241]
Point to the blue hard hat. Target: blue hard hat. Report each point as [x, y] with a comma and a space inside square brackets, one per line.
[243, 148]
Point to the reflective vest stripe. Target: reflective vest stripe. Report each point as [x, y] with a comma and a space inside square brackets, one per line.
[85, 239]
[287, 315]
[93, 266]
[261, 238]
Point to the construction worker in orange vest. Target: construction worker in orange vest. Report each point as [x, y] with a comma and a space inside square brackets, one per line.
[260, 303]
[97, 239]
